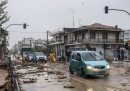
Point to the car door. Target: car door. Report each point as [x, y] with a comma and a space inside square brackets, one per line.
[72, 61]
[78, 63]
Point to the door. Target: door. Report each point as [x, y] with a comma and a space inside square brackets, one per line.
[73, 61]
[78, 62]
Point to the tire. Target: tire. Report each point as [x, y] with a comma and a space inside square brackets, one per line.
[70, 70]
[45, 61]
[83, 73]
[106, 75]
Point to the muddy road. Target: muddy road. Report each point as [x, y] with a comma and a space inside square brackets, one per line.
[56, 77]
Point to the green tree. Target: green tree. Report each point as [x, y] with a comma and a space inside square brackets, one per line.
[3, 14]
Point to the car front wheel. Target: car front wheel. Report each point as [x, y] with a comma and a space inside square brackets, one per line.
[83, 73]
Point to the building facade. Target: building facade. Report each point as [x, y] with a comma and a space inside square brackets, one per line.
[57, 44]
[95, 37]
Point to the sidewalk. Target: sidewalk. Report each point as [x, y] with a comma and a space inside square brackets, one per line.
[3, 75]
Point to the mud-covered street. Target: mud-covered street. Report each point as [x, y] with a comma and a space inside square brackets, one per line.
[56, 77]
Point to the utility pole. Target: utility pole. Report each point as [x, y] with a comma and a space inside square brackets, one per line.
[30, 43]
[47, 45]
[73, 17]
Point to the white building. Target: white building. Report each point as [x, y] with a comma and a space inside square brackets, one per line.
[95, 37]
[28, 43]
[127, 35]
[57, 44]
[39, 44]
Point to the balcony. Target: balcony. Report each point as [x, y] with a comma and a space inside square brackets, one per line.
[57, 41]
[97, 41]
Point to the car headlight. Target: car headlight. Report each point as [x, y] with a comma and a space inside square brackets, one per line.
[21, 58]
[89, 67]
[45, 57]
[108, 66]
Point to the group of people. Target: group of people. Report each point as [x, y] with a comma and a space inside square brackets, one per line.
[119, 54]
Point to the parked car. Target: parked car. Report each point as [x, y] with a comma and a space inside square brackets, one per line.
[31, 58]
[41, 57]
[88, 63]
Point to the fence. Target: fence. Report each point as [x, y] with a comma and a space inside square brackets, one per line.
[14, 80]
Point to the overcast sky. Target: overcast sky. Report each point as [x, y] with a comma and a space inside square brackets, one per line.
[51, 15]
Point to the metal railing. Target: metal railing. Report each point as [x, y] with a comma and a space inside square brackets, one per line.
[96, 41]
[15, 84]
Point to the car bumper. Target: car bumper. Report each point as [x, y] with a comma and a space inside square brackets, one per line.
[97, 72]
[41, 59]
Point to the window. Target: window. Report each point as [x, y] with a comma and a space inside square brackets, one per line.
[73, 56]
[83, 35]
[104, 35]
[92, 35]
[78, 57]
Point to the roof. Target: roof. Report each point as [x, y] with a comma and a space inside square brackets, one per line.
[57, 32]
[68, 30]
[98, 26]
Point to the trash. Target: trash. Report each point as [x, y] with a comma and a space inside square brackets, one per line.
[40, 67]
[31, 80]
[59, 73]
[69, 86]
[59, 81]
[46, 79]
[2, 86]
[123, 84]
[62, 77]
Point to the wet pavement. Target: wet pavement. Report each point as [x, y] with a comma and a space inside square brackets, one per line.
[42, 77]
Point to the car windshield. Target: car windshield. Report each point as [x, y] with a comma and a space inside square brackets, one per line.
[91, 57]
[39, 54]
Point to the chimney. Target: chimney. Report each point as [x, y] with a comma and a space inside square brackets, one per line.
[116, 26]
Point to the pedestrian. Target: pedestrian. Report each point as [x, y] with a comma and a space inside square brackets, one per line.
[122, 54]
[115, 55]
[52, 56]
[68, 53]
[118, 51]
[63, 59]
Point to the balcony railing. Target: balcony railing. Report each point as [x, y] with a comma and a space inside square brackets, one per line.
[53, 41]
[97, 41]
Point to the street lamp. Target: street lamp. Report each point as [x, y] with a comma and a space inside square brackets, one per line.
[47, 33]
[24, 25]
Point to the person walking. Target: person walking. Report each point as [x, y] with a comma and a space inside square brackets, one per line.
[118, 51]
[52, 56]
[122, 54]
[68, 53]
